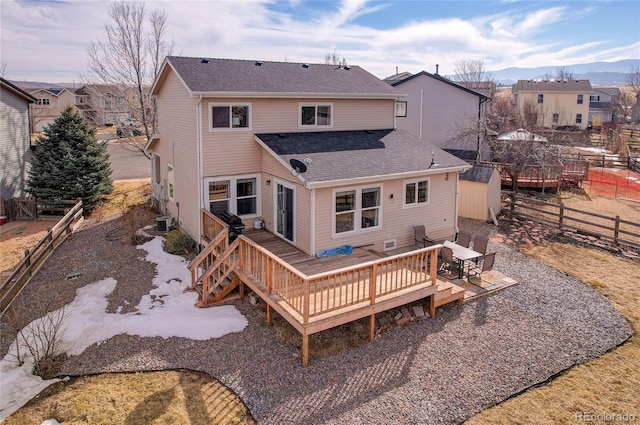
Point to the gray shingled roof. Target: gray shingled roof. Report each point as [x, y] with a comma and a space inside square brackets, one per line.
[437, 77]
[552, 85]
[244, 76]
[341, 155]
[479, 173]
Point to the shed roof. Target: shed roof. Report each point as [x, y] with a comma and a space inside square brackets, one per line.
[340, 156]
[233, 76]
[479, 173]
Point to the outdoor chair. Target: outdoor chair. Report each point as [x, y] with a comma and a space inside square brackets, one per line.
[449, 263]
[487, 264]
[480, 245]
[420, 238]
[464, 238]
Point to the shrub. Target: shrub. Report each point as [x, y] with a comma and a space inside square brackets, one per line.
[179, 243]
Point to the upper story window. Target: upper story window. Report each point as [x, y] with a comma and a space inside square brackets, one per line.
[43, 101]
[580, 99]
[228, 116]
[594, 98]
[316, 115]
[541, 98]
[416, 192]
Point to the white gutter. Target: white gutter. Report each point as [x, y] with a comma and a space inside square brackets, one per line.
[384, 177]
[289, 95]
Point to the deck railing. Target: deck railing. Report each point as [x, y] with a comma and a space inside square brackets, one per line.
[314, 295]
[211, 226]
[216, 232]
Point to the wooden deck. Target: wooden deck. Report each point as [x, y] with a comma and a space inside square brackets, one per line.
[314, 294]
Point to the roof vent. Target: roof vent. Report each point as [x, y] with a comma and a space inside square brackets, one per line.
[347, 67]
[305, 65]
[258, 63]
[204, 60]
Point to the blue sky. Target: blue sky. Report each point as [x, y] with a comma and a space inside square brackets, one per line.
[48, 40]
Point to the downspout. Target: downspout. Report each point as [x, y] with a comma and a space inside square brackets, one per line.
[455, 209]
[199, 160]
[421, 100]
[313, 222]
[479, 125]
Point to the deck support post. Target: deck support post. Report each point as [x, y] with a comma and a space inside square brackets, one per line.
[432, 306]
[305, 349]
[372, 327]
[269, 315]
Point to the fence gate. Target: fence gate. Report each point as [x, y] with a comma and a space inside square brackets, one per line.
[23, 209]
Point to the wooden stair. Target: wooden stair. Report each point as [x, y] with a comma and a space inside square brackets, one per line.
[447, 293]
[220, 294]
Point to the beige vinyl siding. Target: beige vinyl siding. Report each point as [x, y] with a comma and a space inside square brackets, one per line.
[178, 146]
[15, 152]
[275, 172]
[397, 221]
[563, 103]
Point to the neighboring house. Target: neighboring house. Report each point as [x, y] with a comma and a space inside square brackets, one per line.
[553, 103]
[103, 104]
[309, 149]
[50, 103]
[15, 140]
[442, 113]
[603, 104]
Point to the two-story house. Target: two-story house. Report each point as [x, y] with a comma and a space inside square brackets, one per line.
[311, 149]
[15, 141]
[442, 113]
[50, 103]
[103, 104]
[553, 103]
[603, 105]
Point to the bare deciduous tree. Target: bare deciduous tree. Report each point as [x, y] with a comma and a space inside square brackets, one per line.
[561, 74]
[633, 78]
[333, 58]
[130, 56]
[472, 71]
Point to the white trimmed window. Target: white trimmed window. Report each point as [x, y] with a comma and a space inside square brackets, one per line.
[43, 101]
[237, 195]
[416, 192]
[356, 209]
[556, 118]
[170, 182]
[315, 115]
[225, 116]
[578, 118]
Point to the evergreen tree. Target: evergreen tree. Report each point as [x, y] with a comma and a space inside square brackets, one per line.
[70, 163]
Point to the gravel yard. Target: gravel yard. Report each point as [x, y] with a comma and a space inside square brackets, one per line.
[431, 371]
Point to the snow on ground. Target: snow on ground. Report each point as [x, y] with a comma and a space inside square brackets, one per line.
[166, 312]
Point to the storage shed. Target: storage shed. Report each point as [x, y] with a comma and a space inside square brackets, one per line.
[479, 191]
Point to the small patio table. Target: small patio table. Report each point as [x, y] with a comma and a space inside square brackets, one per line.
[462, 254]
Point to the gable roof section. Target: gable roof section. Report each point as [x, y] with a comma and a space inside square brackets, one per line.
[479, 173]
[436, 77]
[552, 85]
[360, 156]
[231, 77]
[17, 90]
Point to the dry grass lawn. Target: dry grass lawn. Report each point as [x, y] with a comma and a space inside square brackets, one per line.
[170, 397]
[125, 195]
[606, 385]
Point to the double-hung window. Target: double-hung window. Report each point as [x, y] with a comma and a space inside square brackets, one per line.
[315, 115]
[357, 209]
[416, 192]
[237, 195]
[556, 118]
[578, 118]
[541, 98]
[225, 116]
[580, 99]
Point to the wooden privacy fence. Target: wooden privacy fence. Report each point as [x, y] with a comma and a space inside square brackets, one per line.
[35, 257]
[612, 229]
[20, 208]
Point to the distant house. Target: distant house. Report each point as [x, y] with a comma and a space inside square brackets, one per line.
[553, 103]
[103, 104]
[603, 104]
[49, 104]
[309, 149]
[442, 113]
[15, 141]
